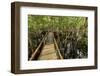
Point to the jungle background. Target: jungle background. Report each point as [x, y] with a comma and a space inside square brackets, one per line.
[70, 33]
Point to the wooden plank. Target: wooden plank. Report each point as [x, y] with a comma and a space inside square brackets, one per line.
[48, 53]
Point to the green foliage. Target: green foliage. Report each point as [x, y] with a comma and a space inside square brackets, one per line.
[36, 23]
[72, 27]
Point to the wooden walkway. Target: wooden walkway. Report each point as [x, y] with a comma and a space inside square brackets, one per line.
[48, 53]
[50, 50]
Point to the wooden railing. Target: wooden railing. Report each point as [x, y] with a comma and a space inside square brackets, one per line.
[37, 51]
[57, 49]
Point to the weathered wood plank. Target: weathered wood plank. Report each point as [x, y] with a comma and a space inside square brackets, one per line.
[48, 53]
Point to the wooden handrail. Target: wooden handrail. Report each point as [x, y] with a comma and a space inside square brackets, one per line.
[58, 51]
[37, 49]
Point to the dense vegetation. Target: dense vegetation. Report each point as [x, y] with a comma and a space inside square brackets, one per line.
[70, 33]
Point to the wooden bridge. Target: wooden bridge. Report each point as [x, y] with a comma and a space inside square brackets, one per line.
[47, 51]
